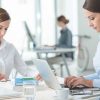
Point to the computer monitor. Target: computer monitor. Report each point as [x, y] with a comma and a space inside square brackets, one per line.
[29, 34]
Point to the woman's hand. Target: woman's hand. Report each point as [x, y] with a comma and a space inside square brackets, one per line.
[2, 76]
[68, 80]
[73, 81]
[38, 77]
[82, 81]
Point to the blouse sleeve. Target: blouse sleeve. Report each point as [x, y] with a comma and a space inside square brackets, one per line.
[96, 83]
[96, 62]
[91, 76]
[20, 65]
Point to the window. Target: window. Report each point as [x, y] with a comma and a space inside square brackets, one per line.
[20, 10]
[48, 22]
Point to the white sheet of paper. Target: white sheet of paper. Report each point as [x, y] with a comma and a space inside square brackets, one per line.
[8, 93]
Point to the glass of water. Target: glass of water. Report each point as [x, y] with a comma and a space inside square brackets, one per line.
[29, 89]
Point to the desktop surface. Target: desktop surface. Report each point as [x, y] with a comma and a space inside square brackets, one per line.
[47, 94]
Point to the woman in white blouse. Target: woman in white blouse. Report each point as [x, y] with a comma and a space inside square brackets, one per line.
[92, 11]
[9, 56]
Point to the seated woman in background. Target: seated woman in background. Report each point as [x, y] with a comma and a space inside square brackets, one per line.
[65, 40]
[9, 56]
[92, 12]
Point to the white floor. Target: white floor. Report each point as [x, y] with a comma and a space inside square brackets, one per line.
[73, 68]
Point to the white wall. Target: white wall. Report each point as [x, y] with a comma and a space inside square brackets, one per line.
[83, 28]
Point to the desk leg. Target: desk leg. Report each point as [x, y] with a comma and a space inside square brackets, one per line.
[38, 56]
[66, 65]
[46, 56]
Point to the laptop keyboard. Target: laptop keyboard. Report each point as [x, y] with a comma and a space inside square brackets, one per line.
[79, 87]
[77, 90]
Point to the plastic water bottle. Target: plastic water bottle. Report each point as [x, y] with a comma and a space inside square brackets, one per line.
[29, 88]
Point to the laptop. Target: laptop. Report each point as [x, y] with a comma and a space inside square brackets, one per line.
[46, 73]
[48, 76]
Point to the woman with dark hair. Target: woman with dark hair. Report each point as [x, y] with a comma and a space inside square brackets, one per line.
[92, 12]
[9, 57]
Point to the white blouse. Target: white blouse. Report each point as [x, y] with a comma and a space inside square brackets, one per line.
[10, 58]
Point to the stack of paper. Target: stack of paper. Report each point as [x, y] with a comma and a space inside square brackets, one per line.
[8, 93]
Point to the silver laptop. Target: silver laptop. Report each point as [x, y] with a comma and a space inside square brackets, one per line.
[46, 73]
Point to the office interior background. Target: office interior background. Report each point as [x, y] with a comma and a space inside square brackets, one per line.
[40, 16]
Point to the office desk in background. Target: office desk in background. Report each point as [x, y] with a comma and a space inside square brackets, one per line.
[60, 51]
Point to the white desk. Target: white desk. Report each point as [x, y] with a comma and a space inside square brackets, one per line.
[44, 93]
[62, 51]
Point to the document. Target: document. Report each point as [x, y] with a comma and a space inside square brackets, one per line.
[8, 93]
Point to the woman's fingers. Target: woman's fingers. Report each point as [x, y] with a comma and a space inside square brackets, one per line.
[77, 83]
[38, 77]
[71, 82]
[68, 79]
[74, 81]
[83, 82]
[2, 76]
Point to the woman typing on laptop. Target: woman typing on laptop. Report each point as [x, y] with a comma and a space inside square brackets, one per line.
[9, 56]
[92, 11]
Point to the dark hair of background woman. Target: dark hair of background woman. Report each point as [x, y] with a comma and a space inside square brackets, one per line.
[63, 19]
